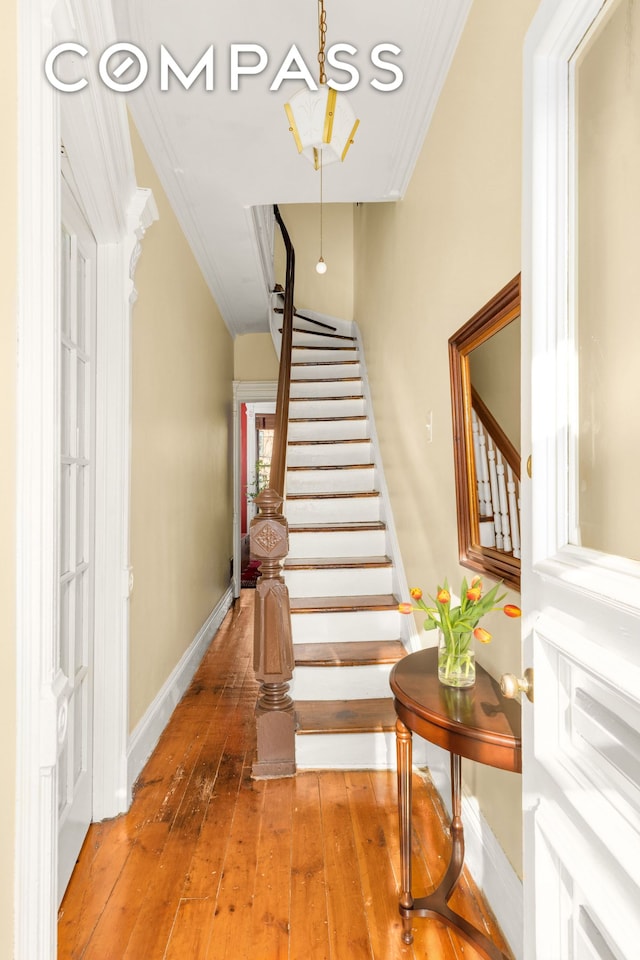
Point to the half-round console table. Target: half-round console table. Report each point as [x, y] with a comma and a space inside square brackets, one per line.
[477, 723]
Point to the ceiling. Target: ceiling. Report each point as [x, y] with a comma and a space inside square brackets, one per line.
[221, 155]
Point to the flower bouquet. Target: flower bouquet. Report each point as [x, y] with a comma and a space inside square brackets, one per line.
[458, 626]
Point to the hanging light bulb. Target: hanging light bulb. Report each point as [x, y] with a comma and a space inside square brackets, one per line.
[321, 266]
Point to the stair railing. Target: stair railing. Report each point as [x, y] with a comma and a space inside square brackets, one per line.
[497, 465]
[269, 542]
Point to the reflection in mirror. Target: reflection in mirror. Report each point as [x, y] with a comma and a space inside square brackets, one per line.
[606, 240]
[484, 358]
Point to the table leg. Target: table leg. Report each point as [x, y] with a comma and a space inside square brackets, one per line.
[404, 751]
[435, 904]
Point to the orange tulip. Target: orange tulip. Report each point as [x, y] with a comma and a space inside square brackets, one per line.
[512, 610]
[477, 582]
[474, 593]
[482, 635]
[416, 593]
[443, 596]
[405, 607]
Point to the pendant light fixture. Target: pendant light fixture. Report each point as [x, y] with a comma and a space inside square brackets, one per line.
[322, 122]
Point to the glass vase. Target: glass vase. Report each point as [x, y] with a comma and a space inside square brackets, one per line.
[456, 659]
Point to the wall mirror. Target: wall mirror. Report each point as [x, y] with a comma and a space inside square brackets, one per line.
[484, 360]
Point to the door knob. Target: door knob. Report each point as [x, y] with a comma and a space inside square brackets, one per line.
[511, 685]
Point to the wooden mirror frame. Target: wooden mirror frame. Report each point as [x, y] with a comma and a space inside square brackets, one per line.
[496, 314]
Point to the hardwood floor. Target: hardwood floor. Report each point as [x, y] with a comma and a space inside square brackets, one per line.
[209, 864]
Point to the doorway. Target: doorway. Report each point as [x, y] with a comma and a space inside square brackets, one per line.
[76, 531]
[254, 401]
[257, 423]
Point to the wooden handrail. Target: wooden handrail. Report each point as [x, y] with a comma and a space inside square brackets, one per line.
[273, 659]
[279, 456]
[303, 316]
[496, 432]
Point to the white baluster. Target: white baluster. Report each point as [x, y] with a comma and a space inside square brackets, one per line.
[495, 494]
[504, 505]
[482, 470]
[514, 517]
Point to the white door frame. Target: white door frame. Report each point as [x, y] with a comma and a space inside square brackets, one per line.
[244, 391]
[560, 580]
[97, 141]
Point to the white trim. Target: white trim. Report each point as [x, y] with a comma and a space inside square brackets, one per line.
[244, 391]
[116, 295]
[103, 172]
[441, 29]
[484, 857]
[493, 873]
[147, 733]
[261, 230]
[412, 638]
[36, 516]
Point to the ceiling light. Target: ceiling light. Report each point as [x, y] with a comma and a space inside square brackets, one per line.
[322, 121]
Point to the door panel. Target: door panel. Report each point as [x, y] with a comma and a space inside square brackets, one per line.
[76, 515]
[580, 592]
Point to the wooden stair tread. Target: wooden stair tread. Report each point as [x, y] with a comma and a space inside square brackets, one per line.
[313, 443]
[341, 494]
[333, 466]
[336, 563]
[345, 716]
[374, 601]
[348, 653]
[326, 419]
[355, 526]
[352, 396]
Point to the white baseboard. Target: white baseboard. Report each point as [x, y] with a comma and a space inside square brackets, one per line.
[484, 857]
[493, 873]
[147, 733]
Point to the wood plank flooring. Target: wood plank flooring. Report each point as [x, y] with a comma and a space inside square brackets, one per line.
[209, 864]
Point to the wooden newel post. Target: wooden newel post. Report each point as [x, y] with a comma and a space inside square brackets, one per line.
[272, 642]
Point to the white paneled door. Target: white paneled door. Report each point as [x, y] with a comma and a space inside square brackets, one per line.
[76, 529]
[581, 568]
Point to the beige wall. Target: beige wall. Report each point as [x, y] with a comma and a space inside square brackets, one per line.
[8, 305]
[181, 465]
[495, 373]
[609, 284]
[254, 357]
[331, 293]
[423, 267]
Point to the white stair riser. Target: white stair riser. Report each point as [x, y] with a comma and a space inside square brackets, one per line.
[317, 481]
[316, 371]
[353, 751]
[370, 681]
[303, 355]
[338, 543]
[325, 454]
[326, 408]
[330, 430]
[315, 339]
[332, 389]
[332, 510]
[358, 582]
[355, 625]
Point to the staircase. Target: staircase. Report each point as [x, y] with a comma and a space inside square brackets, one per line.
[342, 571]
